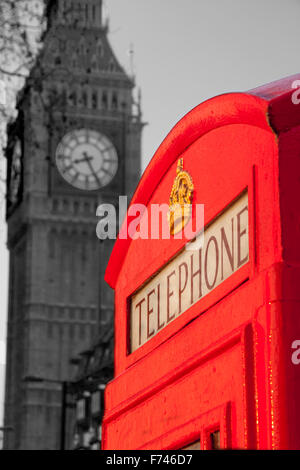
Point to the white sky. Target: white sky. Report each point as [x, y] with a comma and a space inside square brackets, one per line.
[187, 51]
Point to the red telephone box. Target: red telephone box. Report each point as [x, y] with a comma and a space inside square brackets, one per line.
[204, 339]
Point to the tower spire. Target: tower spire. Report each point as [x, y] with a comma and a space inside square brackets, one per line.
[87, 13]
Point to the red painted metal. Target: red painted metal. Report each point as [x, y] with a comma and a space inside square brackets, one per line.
[226, 362]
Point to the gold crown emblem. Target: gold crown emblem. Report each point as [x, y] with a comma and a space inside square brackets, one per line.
[180, 200]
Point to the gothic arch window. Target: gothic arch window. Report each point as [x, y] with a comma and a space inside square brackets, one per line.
[72, 14]
[115, 101]
[51, 244]
[91, 331]
[65, 202]
[84, 250]
[84, 99]
[55, 205]
[123, 101]
[94, 63]
[54, 45]
[74, 61]
[95, 99]
[65, 11]
[76, 207]
[100, 48]
[78, 96]
[80, 104]
[112, 66]
[87, 209]
[82, 333]
[82, 46]
[73, 98]
[71, 332]
[104, 100]
[63, 96]
[52, 94]
[62, 45]
[78, 12]
[69, 11]
[50, 330]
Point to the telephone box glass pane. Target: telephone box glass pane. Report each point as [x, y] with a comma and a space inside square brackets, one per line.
[215, 440]
[194, 446]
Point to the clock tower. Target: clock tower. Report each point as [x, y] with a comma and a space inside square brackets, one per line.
[76, 143]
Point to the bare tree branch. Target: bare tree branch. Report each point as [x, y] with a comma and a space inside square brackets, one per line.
[22, 23]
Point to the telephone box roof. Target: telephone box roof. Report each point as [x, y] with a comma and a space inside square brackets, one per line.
[268, 107]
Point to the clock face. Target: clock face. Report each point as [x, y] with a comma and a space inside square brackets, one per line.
[86, 159]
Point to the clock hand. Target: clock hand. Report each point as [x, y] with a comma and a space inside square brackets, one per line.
[87, 159]
[84, 159]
